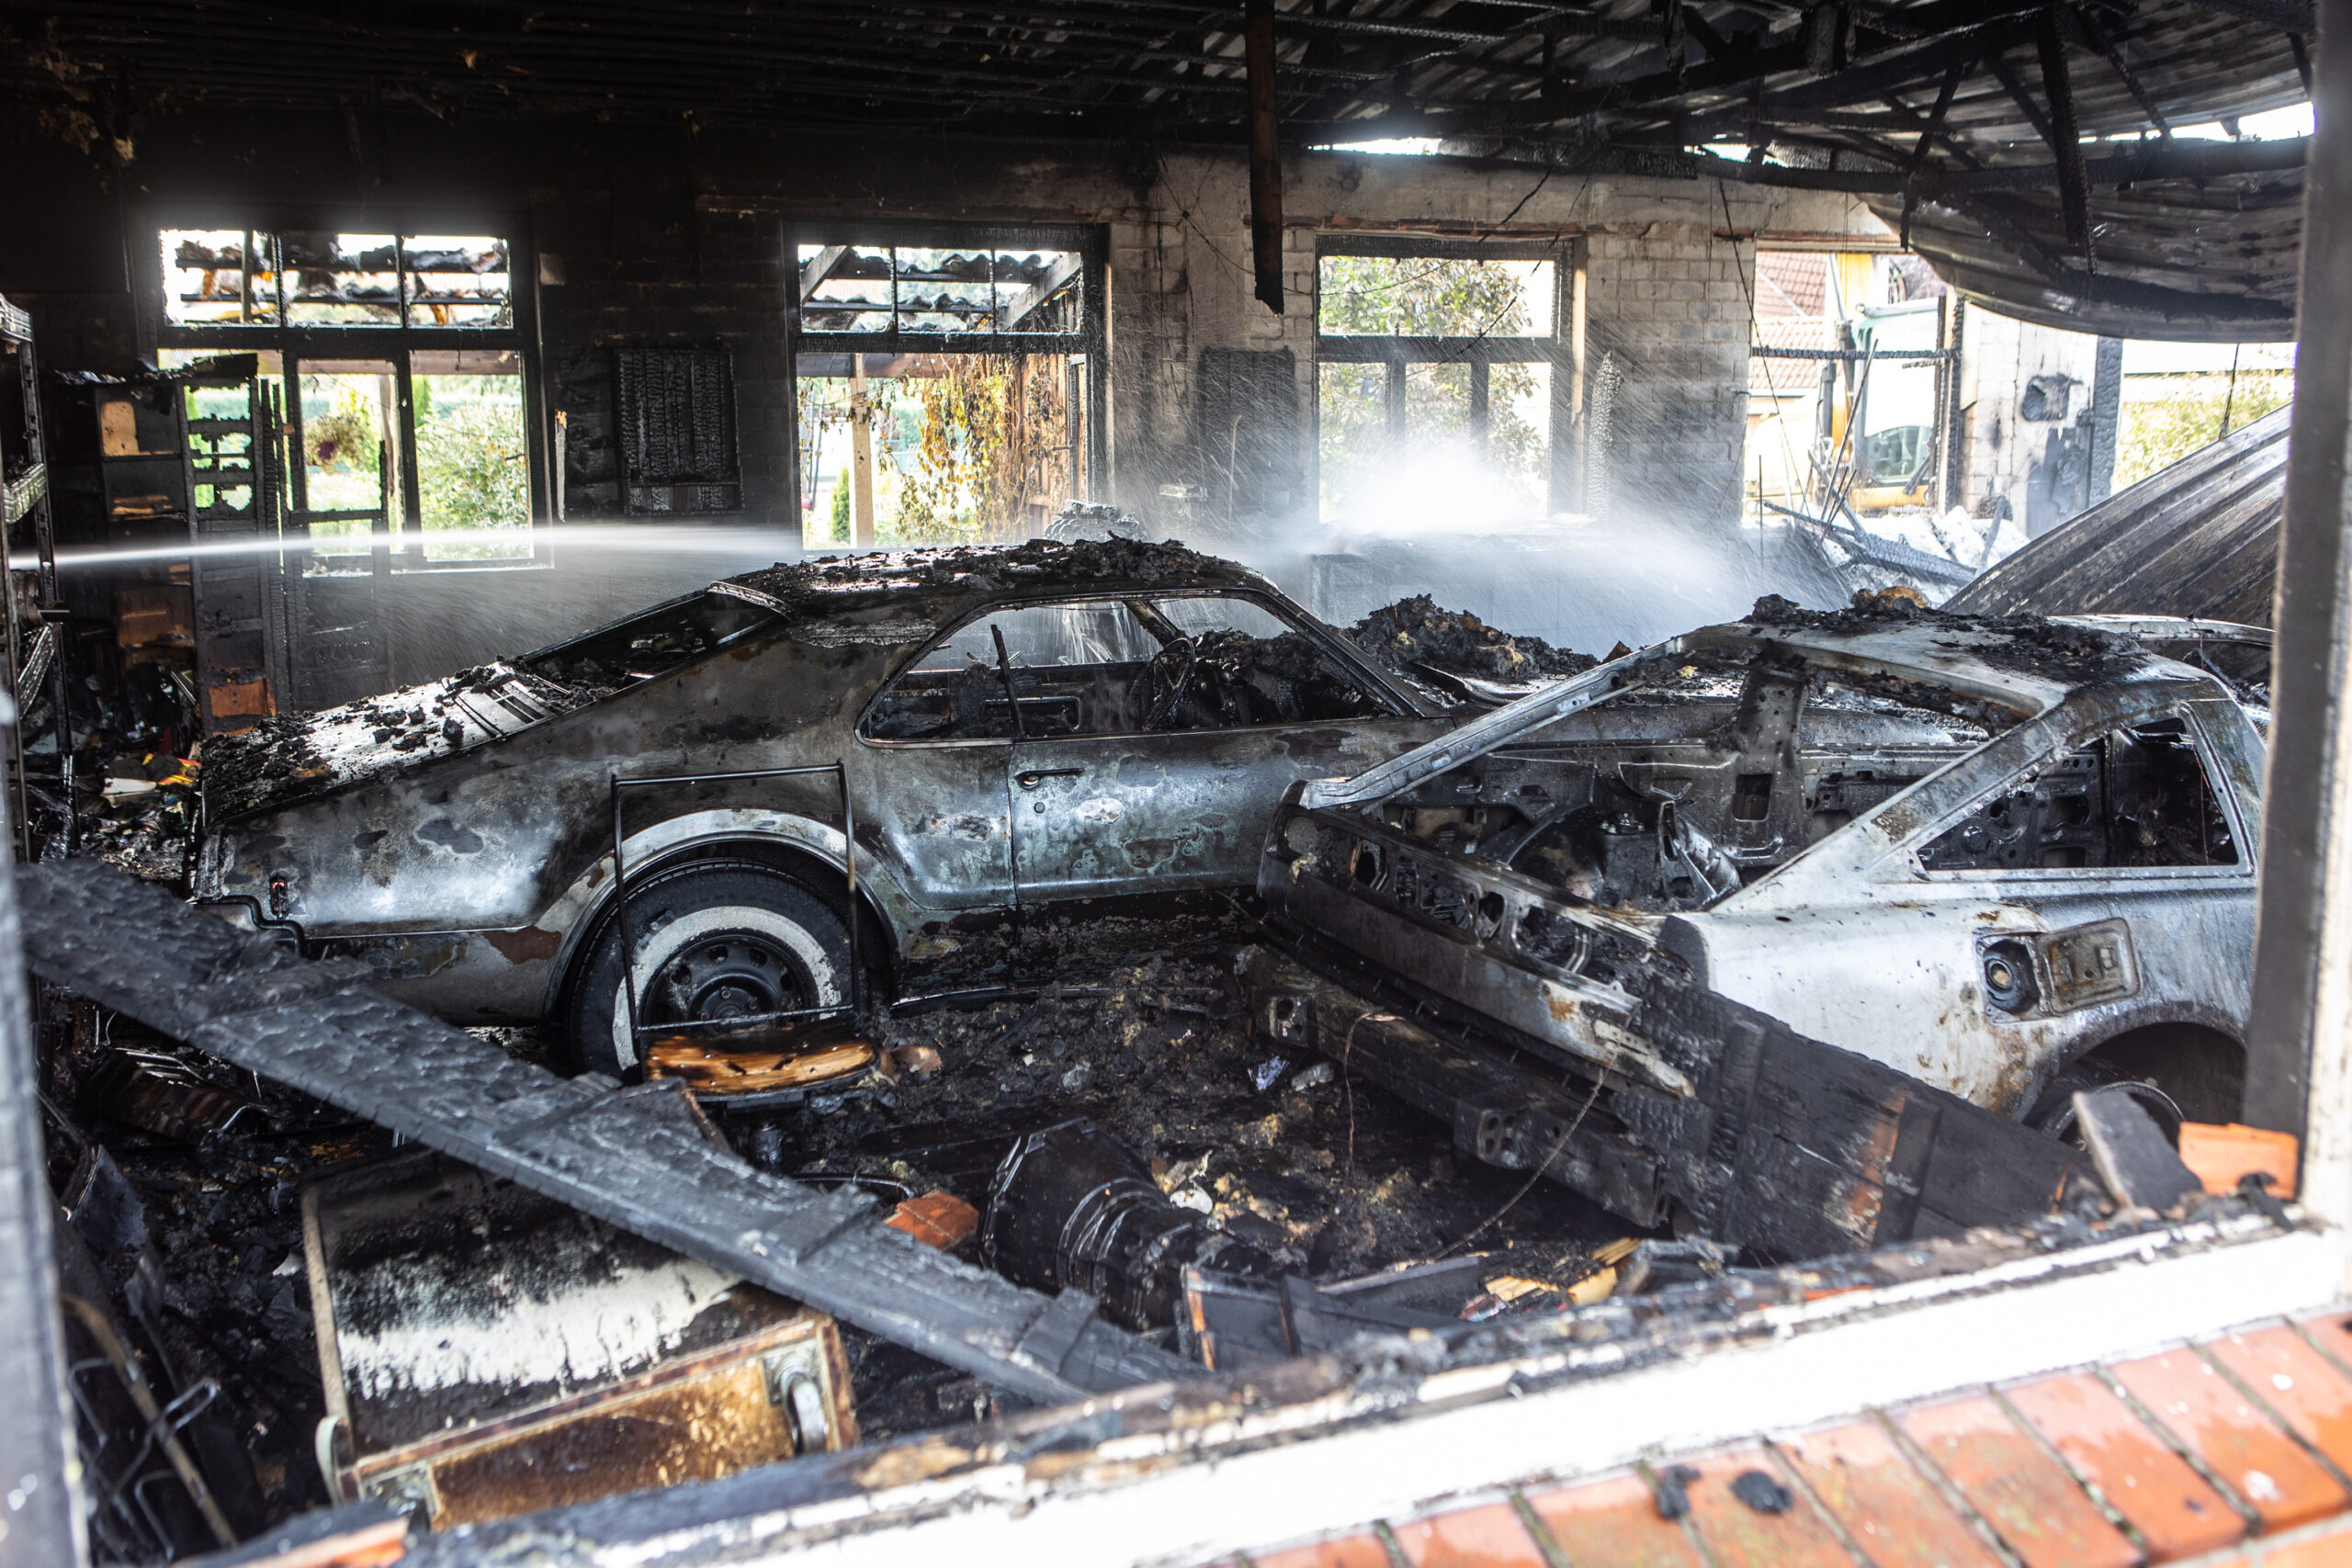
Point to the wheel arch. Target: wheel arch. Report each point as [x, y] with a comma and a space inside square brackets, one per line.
[808, 853]
[2192, 1049]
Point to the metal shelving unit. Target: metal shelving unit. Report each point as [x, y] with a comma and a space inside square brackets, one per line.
[37, 651]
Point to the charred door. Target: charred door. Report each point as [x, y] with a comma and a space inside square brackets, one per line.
[1230, 708]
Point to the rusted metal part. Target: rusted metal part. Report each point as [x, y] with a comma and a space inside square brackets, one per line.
[642, 1159]
[489, 1352]
[472, 871]
[729, 1073]
[1970, 850]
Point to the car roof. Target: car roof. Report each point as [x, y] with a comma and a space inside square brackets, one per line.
[946, 580]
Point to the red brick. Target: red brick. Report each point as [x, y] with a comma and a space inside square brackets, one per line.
[1346, 1552]
[1893, 1512]
[1488, 1536]
[2025, 1496]
[2284, 1485]
[2329, 1548]
[2158, 1492]
[1612, 1522]
[2301, 1387]
[1741, 1537]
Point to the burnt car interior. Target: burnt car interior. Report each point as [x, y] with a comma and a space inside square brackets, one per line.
[1298, 784]
[1119, 667]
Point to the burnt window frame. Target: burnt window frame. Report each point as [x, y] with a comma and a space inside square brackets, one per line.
[390, 342]
[1562, 349]
[1090, 240]
[2072, 723]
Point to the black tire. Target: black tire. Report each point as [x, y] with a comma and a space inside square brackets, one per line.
[713, 940]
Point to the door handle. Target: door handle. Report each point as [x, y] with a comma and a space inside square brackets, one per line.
[1035, 776]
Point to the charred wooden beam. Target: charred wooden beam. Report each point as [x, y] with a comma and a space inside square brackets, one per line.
[2065, 140]
[1265, 159]
[641, 1159]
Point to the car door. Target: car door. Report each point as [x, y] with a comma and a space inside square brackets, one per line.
[2065, 881]
[1176, 792]
[934, 748]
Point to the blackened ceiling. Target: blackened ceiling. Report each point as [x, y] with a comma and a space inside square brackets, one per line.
[2025, 149]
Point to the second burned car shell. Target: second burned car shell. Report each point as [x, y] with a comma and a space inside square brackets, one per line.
[1976, 852]
[458, 837]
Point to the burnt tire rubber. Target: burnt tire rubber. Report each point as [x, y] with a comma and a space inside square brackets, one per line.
[713, 941]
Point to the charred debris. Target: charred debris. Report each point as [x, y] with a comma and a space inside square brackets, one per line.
[1177, 1169]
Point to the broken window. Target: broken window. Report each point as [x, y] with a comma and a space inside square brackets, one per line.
[944, 389]
[1435, 380]
[2139, 796]
[215, 277]
[407, 422]
[1118, 667]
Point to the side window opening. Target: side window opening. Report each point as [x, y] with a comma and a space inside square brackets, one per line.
[2139, 796]
[1233, 664]
[1075, 669]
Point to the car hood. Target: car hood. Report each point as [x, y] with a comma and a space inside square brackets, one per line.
[281, 760]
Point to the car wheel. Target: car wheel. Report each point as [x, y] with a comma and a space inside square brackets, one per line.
[712, 943]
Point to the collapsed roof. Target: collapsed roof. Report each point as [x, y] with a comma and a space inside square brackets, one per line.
[2028, 150]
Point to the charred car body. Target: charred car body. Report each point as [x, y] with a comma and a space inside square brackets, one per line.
[2008, 858]
[1033, 731]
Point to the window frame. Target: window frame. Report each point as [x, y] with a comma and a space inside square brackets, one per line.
[2067, 728]
[1089, 345]
[403, 551]
[1562, 349]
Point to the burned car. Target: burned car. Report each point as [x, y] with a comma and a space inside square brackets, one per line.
[2009, 858]
[1015, 737]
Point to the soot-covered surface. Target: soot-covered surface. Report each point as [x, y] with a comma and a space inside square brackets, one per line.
[1331, 1176]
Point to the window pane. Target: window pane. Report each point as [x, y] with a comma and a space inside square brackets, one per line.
[208, 281]
[846, 288]
[1352, 433]
[1437, 402]
[1519, 431]
[946, 291]
[458, 281]
[1038, 291]
[341, 280]
[472, 473]
[349, 450]
[1217, 614]
[1434, 296]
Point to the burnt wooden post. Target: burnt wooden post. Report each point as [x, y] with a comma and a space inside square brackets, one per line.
[2298, 1076]
[1265, 158]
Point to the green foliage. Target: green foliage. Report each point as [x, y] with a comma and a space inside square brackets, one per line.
[470, 471]
[1430, 297]
[2158, 433]
[841, 510]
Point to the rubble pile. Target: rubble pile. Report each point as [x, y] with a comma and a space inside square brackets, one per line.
[181, 1183]
[1415, 634]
